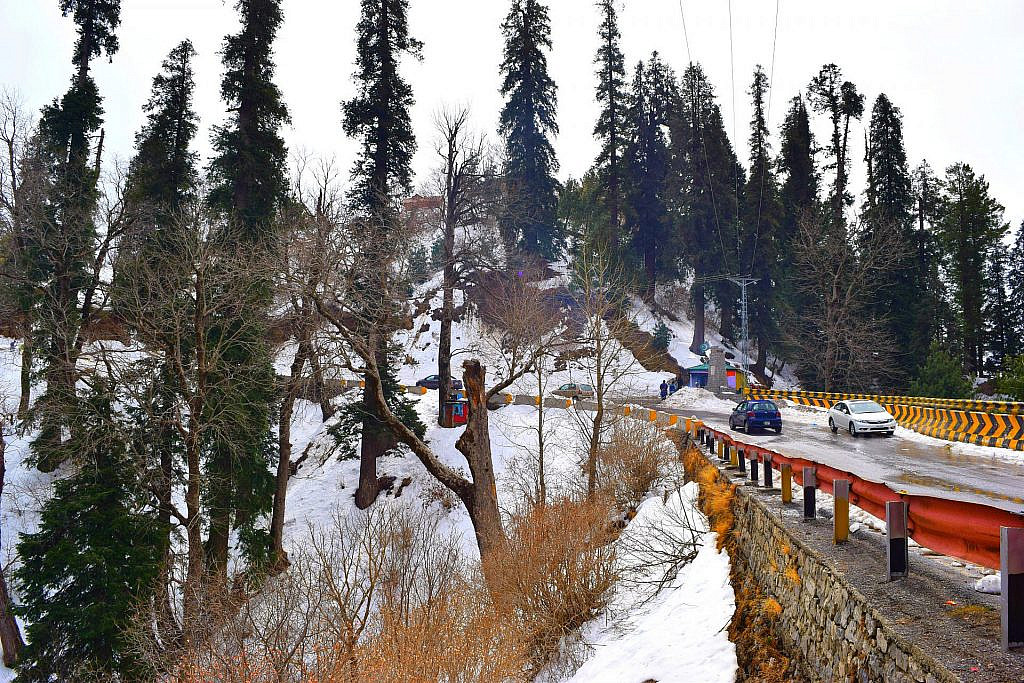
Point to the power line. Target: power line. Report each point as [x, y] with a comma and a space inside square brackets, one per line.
[736, 140]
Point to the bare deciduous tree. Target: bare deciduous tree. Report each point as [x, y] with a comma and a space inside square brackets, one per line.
[841, 344]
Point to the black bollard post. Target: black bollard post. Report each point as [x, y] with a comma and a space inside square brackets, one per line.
[810, 485]
[767, 471]
[1011, 565]
[753, 467]
[897, 553]
[743, 462]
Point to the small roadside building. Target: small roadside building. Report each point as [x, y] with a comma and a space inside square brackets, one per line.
[698, 376]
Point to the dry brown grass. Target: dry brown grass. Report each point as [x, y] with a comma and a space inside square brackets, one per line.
[556, 574]
[635, 460]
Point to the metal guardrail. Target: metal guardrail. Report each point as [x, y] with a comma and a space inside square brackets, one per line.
[953, 423]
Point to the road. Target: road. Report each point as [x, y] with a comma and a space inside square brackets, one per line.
[901, 461]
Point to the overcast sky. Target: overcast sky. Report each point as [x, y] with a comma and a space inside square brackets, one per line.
[953, 68]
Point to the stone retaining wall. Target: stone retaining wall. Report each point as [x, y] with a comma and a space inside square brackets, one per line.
[826, 623]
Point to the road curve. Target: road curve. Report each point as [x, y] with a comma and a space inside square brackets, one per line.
[902, 462]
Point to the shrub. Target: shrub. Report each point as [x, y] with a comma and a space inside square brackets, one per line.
[556, 574]
[661, 337]
[941, 376]
[1011, 381]
[636, 458]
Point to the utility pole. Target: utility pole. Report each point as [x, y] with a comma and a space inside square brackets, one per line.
[742, 281]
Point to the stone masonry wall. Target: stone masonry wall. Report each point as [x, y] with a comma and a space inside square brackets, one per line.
[825, 622]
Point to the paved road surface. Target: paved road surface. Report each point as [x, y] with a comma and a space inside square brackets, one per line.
[902, 463]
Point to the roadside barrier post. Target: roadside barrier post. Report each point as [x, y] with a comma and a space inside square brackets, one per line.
[896, 531]
[741, 456]
[734, 459]
[810, 484]
[753, 467]
[767, 471]
[786, 472]
[721, 450]
[841, 518]
[1011, 571]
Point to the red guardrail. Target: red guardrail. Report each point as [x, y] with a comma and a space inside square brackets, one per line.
[968, 531]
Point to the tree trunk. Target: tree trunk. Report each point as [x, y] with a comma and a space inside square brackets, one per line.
[698, 316]
[26, 376]
[278, 557]
[376, 438]
[481, 498]
[10, 634]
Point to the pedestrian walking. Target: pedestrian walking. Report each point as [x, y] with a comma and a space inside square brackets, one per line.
[664, 390]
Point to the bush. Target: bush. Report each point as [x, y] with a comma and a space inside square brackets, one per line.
[636, 458]
[556, 574]
[661, 338]
[419, 264]
[1011, 381]
[378, 596]
[941, 376]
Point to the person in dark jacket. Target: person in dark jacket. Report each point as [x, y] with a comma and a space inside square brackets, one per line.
[672, 387]
[664, 390]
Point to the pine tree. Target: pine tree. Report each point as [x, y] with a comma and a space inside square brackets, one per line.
[526, 125]
[799, 196]
[932, 311]
[378, 116]
[762, 218]
[1001, 317]
[1015, 286]
[248, 186]
[969, 228]
[889, 209]
[646, 153]
[941, 376]
[92, 560]
[703, 173]
[611, 122]
[162, 181]
[64, 238]
[830, 94]
[162, 176]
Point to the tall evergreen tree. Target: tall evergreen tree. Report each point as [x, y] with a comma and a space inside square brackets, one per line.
[93, 559]
[703, 171]
[646, 153]
[163, 176]
[1001, 316]
[378, 116]
[248, 186]
[889, 209]
[830, 94]
[611, 122]
[526, 124]
[761, 220]
[799, 195]
[932, 311]
[162, 181]
[64, 236]
[969, 228]
[1015, 283]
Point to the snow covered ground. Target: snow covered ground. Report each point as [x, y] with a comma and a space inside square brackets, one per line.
[677, 635]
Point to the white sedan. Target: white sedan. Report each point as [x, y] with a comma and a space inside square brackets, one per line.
[860, 417]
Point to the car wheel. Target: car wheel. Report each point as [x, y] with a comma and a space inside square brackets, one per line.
[778, 430]
[832, 425]
[853, 430]
[889, 434]
[732, 425]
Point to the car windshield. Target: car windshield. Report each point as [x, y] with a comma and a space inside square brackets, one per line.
[587, 387]
[760, 406]
[866, 407]
[565, 387]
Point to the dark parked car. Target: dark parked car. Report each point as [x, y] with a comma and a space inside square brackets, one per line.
[756, 415]
[433, 382]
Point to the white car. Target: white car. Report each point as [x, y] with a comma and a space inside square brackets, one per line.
[860, 417]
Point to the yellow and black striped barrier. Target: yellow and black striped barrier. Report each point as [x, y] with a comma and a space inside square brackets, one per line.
[825, 399]
[949, 419]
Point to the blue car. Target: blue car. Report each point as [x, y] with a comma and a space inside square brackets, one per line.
[756, 414]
